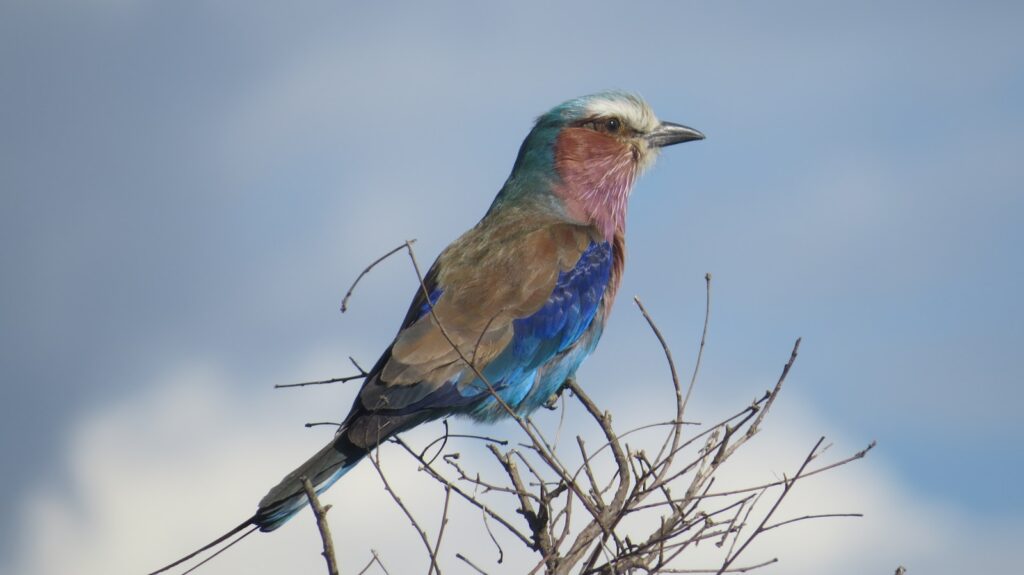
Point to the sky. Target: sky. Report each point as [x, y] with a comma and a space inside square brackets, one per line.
[187, 189]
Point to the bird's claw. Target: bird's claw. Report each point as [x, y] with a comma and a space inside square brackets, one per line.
[552, 402]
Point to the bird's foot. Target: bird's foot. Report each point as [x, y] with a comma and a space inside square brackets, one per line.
[552, 402]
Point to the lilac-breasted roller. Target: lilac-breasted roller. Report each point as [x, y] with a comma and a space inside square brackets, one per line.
[523, 295]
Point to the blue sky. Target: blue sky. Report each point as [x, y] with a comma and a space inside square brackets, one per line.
[185, 184]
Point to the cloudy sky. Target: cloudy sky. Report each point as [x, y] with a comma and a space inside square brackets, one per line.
[187, 189]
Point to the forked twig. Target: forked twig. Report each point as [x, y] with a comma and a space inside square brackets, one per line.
[348, 294]
[374, 559]
[361, 375]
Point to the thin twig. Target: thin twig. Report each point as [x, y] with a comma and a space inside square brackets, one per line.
[375, 461]
[375, 559]
[440, 532]
[361, 375]
[818, 516]
[344, 379]
[469, 498]
[860, 454]
[731, 570]
[743, 523]
[321, 524]
[348, 294]
[462, 557]
[444, 439]
[775, 392]
[785, 491]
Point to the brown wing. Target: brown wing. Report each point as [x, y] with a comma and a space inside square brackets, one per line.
[487, 279]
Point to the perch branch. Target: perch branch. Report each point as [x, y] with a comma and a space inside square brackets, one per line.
[321, 524]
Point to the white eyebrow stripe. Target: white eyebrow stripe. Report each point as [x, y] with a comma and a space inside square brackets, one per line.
[633, 111]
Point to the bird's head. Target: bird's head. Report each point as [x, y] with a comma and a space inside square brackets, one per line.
[587, 152]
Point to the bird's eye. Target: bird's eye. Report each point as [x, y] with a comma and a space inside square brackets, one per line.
[612, 125]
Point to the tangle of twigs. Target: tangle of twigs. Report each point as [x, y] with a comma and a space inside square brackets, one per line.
[666, 499]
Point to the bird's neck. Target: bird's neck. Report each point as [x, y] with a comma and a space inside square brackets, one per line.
[596, 177]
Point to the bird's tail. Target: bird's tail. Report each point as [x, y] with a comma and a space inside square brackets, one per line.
[289, 496]
[322, 470]
[212, 544]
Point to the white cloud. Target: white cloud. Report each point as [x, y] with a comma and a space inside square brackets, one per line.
[160, 472]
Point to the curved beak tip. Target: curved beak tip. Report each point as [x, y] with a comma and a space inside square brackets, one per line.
[669, 133]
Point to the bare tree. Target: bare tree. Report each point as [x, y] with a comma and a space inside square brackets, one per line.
[615, 509]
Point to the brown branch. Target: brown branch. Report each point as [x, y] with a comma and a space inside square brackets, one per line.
[537, 520]
[348, 294]
[608, 516]
[321, 523]
[588, 469]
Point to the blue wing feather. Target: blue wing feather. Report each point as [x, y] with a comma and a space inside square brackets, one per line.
[545, 346]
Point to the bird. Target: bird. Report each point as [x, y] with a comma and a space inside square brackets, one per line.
[511, 309]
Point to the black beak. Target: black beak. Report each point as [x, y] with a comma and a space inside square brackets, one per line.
[668, 133]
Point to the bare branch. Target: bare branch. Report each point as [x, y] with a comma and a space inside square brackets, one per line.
[375, 460]
[320, 423]
[467, 497]
[348, 294]
[440, 531]
[361, 375]
[321, 523]
[731, 570]
[613, 481]
[463, 558]
[375, 559]
[785, 490]
[860, 454]
[818, 516]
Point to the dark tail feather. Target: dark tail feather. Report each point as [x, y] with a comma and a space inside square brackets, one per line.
[289, 496]
[221, 550]
[322, 470]
[211, 544]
